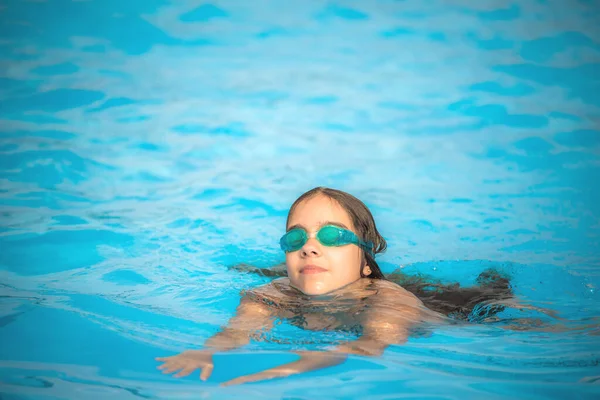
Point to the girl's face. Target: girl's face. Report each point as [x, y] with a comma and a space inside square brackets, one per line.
[316, 269]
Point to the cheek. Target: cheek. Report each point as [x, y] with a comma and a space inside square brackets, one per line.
[347, 259]
[291, 260]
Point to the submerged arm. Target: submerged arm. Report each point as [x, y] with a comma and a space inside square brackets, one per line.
[250, 318]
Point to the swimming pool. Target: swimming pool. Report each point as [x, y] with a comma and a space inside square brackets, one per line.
[149, 146]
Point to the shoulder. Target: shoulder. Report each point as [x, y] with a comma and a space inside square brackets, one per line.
[271, 293]
[255, 301]
[387, 286]
[272, 288]
[392, 293]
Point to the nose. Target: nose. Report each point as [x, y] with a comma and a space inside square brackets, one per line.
[311, 248]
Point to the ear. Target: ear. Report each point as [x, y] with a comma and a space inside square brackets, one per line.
[367, 270]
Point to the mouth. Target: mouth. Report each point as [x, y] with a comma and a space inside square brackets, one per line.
[312, 269]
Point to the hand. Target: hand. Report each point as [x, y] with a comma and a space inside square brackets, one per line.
[188, 362]
[309, 360]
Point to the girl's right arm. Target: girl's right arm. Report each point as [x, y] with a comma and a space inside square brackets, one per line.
[251, 317]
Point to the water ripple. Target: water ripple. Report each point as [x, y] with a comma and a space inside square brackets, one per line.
[147, 147]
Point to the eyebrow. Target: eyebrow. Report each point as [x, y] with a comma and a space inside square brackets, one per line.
[321, 224]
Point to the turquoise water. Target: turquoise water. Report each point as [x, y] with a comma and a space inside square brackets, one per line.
[148, 146]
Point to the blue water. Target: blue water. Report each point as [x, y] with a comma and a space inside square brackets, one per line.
[147, 146]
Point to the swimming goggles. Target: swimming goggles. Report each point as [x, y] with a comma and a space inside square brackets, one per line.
[329, 235]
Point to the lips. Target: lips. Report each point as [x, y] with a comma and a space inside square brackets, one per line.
[312, 269]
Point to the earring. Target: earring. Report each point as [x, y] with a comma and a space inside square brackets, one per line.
[367, 271]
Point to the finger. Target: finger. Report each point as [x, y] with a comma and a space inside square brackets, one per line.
[165, 365]
[206, 371]
[260, 376]
[161, 358]
[172, 368]
[185, 372]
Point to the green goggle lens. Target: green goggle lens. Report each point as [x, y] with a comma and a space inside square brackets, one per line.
[296, 238]
[329, 235]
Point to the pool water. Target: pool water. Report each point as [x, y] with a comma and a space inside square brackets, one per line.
[150, 146]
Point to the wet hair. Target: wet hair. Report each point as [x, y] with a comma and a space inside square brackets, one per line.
[362, 219]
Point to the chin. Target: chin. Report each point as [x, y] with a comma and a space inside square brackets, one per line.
[312, 288]
[313, 291]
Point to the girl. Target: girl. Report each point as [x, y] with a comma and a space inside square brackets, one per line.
[333, 283]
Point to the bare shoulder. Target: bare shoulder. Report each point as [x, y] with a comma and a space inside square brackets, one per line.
[253, 303]
[390, 292]
[391, 296]
[271, 294]
[269, 288]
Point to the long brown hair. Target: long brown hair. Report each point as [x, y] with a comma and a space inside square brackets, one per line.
[362, 219]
